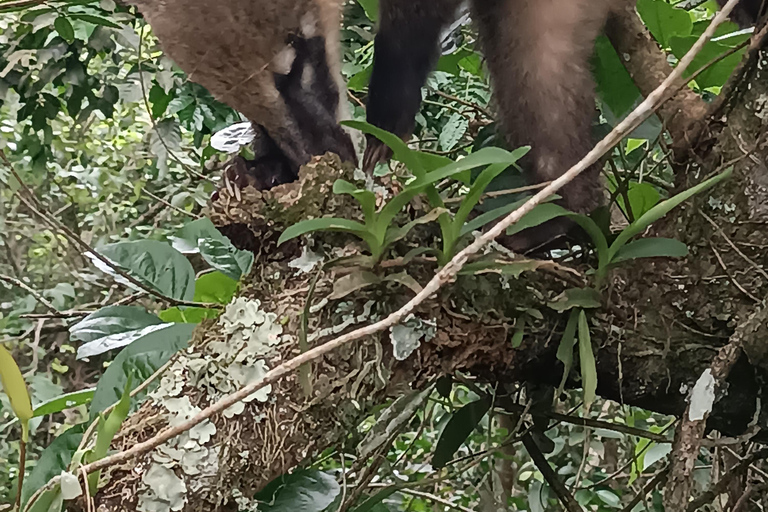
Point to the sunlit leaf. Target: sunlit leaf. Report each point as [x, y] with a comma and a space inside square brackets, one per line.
[63, 402]
[153, 263]
[138, 361]
[16, 390]
[111, 320]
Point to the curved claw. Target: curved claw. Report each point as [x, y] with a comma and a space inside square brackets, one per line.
[375, 152]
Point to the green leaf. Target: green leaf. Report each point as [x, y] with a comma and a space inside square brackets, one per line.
[322, 224]
[373, 503]
[651, 248]
[587, 360]
[565, 349]
[715, 75]
[305, 491]
[187, 239]
[615, 86]
[489, 216]
[115, 341]
[106, 431]
[609, 498]
[112, 320]
[366, 198]
[507, 268]
[64, 28]
[139, 361]
[660, 210]
[16, 390]
[517, 337]
[663, 20]
[576, 298]
[225, 257]
[184, 315]
[486, 156]
[371, 8]
[215, 288]
[54, 459]
[65, 401]
[96, 20]
[458, 428]
[416, 161]
[642, 197]
[453, 131]
[476, 191]
[153, 263]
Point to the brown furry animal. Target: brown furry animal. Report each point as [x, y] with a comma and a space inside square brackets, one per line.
[276, 62]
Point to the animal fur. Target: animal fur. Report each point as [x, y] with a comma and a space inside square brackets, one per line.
[275, 61]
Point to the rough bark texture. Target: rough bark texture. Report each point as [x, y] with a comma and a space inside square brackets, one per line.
[661, 324]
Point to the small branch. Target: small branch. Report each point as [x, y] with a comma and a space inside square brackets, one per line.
[660, 477]
[722, 485]
[21, 284]
[566, 498]
[690, 431]
[169, 205]
[484, 111]
[446, 275]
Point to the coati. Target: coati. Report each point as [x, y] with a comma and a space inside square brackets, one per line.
[276, 62]
[537, 52]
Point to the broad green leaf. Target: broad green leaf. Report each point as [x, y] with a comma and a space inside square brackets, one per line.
[615, 86]
[226, 258]
[120, 340]
[215, 288]
[651, 248]
[112, 320]
[458, 428]
[715, 75]
[139, 361]
[587, 360]
[64, 28]
[660, 210]
[54, 459]
[96, 20]
[153, 263]
[576, 298]
[63, 402]
[565, 349]
[371, 8]
[16, 390]
[305, 491]
[663, 20]
[184, 315]
[186, 240]
[322, 224]
[642, 197]
[609, 498]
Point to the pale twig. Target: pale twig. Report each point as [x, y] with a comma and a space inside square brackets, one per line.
[674, 81]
